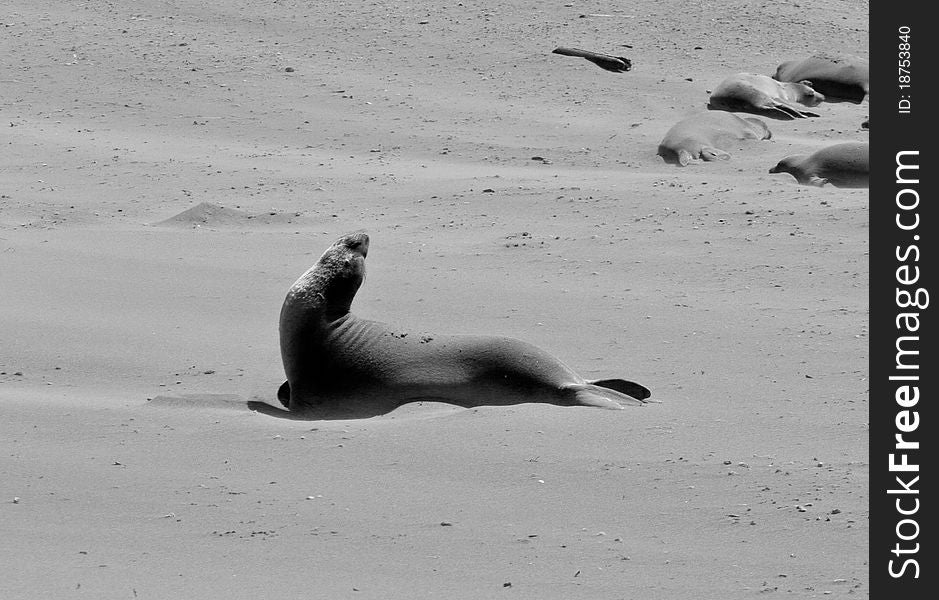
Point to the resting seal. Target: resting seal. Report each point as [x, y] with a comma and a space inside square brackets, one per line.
[840, 79]
[762, 95]
[341, 366]
[706, 135]
[615, 64]
[842, 165]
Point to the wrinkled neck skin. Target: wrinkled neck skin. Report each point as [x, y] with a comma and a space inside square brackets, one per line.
[334, 312]
[316, 304]
[315, 300]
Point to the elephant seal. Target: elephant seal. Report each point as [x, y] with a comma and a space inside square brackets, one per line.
[844, 165]
[763, 95]
[707, 135]
[341, 366]
[607, 62]
[840, 79]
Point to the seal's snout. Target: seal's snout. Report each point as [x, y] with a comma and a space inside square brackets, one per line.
[783, 166]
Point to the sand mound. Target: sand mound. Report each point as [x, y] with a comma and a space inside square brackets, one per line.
[208, 214]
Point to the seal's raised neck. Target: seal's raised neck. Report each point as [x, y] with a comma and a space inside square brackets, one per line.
[330, 285]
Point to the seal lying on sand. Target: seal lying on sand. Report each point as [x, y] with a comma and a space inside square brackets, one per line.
[616, 64]
[707, 135]
[840, 79]
[842, 165]
[341, 366]
[762, 95]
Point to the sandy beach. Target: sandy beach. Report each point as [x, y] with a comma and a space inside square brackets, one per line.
[168, 169]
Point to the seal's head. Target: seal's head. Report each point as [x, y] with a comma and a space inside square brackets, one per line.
[331, 284]
[341, 270]
[791, 165]
[782, 166]
[350, 247]
[806, 94]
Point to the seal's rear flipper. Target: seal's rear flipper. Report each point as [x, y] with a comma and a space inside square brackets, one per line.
[630, 388]
[283, 394]
[589, 394]
[789, 111]
[588, 398]
[759, 125]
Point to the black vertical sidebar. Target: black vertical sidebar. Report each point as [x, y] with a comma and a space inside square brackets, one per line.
[903, 264]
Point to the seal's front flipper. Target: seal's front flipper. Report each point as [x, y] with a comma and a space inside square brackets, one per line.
[630, 388]
[283, 394]
[710, 153]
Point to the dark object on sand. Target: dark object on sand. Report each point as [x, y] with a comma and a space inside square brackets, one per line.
[616, 64]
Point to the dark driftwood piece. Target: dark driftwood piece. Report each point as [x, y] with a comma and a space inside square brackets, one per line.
[616, 64]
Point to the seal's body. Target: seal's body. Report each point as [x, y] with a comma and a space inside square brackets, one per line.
[708, 136]
[844, 165]
[339, 365]
[840, 79]
[762, 95]
[615, 64]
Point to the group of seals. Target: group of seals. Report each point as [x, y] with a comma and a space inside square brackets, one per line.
[706, 135]
[839, 79]
[763, 95]
[844, 165]
[341, 366]
[807, 82]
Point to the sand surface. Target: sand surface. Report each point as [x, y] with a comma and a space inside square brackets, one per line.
[164, 179]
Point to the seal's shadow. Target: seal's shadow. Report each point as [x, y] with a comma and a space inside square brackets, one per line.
[418, 408]
[272, 411]
[312, 414]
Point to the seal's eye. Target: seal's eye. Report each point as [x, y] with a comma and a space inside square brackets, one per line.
[357, 243]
